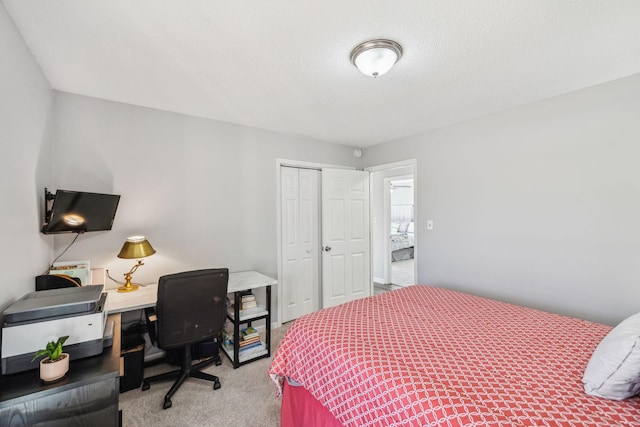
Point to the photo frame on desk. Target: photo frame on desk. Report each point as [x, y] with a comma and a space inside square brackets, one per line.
[77, 269]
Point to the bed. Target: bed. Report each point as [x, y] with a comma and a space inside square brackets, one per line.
[427, 356]
[402, 242]
[402, 232]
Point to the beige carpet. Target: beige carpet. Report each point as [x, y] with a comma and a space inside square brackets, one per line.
[247, 397]
[402, 272]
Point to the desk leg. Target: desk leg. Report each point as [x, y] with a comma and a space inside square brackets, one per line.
[236, 330]
[268, 321]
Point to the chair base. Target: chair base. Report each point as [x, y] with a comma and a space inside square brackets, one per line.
[186, 370]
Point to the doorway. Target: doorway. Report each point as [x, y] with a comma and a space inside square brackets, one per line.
[393, 216]
[402, 230]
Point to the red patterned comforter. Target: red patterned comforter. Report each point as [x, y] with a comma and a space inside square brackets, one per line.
[425, 356]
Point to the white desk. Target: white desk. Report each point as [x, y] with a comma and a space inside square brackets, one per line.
[146, 295]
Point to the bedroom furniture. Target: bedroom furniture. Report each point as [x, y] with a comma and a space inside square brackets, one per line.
[238, 281]
[88, 394]
[191, 308]
[426, 356]
[146, 295]
[247, 281]
[135, 247]
[402, 232]
[402, 241]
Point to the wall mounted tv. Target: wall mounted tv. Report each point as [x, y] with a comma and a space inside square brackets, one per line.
[78, 211]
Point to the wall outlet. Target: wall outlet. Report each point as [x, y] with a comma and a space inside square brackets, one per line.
[429, 224]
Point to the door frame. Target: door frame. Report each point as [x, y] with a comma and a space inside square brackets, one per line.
[302, 165]
[387, 167]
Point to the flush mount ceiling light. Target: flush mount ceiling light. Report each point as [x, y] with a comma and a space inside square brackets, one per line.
[375, 57]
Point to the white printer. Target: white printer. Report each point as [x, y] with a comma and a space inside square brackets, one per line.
[43, 316]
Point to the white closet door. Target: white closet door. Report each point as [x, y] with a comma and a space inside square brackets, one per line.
[346, 273]
[300, 242]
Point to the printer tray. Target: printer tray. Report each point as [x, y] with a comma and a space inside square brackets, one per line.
[53, 303]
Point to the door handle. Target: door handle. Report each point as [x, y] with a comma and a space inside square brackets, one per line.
[326, 248]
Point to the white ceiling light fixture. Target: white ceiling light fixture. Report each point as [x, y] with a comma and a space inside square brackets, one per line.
[375, 57]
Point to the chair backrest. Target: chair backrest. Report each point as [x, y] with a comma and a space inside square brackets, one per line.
[191, 306]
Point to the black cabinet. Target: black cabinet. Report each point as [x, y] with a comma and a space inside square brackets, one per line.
[88, 395]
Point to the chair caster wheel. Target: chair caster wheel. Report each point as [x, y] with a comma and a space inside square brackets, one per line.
[146, 386]
[166, 404]
[216, 385]
[218, 362]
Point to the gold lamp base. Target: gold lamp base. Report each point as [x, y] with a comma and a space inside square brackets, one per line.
[129, 287]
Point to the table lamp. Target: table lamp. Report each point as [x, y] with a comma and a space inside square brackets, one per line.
[135, 247]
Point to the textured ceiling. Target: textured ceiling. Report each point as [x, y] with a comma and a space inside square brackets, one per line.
[284, 66]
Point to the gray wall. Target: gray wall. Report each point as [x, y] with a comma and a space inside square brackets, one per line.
[25, 104]
[203, 192]
[538, 205]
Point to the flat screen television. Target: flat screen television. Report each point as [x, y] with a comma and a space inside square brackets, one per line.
[78, 211]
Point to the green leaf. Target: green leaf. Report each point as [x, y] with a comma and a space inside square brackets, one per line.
[53, 349]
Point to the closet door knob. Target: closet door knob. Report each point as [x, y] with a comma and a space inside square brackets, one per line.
[326, 248]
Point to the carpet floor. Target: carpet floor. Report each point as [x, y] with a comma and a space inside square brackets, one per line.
[402, 273]
[247, 397]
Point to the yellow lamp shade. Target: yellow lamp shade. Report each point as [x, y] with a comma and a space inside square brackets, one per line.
[136, 247]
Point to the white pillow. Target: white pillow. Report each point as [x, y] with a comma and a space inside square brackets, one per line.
[410, 228]
[613, 371]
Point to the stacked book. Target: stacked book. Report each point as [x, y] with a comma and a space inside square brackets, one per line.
[248, 344]
[248, 306]
[249, 340]
[248, 301]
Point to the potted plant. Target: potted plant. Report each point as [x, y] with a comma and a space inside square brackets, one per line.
[56, 363]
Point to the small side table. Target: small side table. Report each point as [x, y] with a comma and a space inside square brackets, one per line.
[242, 282]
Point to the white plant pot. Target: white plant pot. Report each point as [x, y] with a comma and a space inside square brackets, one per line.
[53, 371]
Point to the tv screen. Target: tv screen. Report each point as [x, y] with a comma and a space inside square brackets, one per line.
[79, 212]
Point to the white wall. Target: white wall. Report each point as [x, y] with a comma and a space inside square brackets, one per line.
[25, 105]
[203, 192]
[402, 196]
[538, 205]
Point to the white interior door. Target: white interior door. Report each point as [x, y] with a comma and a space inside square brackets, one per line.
[300, 242]
[345, 236]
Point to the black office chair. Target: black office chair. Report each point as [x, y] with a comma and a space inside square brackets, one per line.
[191, 308]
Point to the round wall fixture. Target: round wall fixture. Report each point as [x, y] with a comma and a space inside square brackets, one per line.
[375, 57]
[357, 153]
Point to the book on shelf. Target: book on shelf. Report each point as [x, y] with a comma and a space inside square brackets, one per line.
[245, 305]
[248, 297]
[248, 335]
[253, 347]
[249, 332]
[248, 342]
